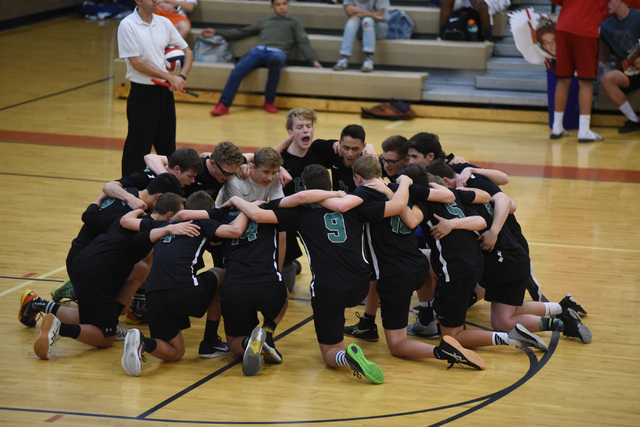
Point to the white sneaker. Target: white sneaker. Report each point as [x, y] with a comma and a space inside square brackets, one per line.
[132, 355]
[341, 65]
[121, 332]
[590, 137]
[526, 339]
[367, 65]
[46, 344]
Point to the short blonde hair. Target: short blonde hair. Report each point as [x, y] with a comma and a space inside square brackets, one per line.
[367, 167]
[267, 157]
[303, 113]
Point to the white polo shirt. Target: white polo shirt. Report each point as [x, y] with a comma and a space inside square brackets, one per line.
[148, 41]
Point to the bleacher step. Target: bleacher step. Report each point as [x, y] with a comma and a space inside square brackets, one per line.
[515, 82]
[464, 94]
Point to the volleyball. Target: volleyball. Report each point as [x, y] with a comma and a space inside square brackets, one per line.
[173, 58]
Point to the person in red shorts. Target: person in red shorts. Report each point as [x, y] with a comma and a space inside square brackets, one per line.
[577, 52]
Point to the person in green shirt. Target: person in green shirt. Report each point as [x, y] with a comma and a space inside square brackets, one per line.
[278, 34]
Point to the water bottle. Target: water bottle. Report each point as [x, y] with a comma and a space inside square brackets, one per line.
[472, 30]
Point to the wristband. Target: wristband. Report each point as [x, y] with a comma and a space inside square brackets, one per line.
[183, 77]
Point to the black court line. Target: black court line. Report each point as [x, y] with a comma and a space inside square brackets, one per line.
[52, 177]
[57, 93]
[30, 279]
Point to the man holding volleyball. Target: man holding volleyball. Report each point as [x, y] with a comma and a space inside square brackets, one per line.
[151, 113]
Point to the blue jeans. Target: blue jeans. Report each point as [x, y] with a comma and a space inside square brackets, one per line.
[355, 28]
[255, 58]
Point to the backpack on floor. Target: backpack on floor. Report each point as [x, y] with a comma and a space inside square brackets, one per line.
[394, 110]
[456, 27]
[400, 25]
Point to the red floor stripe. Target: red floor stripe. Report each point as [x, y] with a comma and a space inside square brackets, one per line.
[566, 172]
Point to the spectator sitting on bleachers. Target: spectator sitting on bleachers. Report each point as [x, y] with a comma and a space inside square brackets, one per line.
[176, 12]
[486, 9]
[616, 84]
[618, 33]
[278, 34]
[367, 19]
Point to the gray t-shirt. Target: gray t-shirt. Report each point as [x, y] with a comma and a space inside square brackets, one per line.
[621, 34]
[370, 6]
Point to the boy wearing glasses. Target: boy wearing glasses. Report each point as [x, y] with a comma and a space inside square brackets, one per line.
[394, 156]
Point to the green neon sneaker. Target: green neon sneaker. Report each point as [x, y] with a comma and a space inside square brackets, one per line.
[361, 366]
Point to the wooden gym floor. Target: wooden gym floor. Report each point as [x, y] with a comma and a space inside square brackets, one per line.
[60, 135]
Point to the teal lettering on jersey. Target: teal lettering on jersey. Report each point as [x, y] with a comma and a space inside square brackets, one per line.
[398, 226]
[335, 224]
[250, 233]
[168, 238]
[455, 210]
[298, 184]
[489, 208]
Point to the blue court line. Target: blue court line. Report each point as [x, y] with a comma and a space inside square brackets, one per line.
[30, 279]
[57, 93]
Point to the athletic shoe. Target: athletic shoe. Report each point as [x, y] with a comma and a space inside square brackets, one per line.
[456, 353]
[361, 366]
[570, 302]
[526, 339]
[596, 137]
[559, 135]
[573, 326]
[367, 65]
[46, 344]
[419, 330]
[211, 350]
[220, 110]
[64, 291]
[416, 309]
[629, 126]
[271, 354]
[30, 306]
[358, 331]
[297, 266]
[132, 357]
[252, 360]
[341, 65]
[137, 313]
[269, 108]
[121, 332]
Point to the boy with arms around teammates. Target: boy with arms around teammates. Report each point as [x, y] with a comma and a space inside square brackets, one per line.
[175, 291]
[399, 268]
[98, 273]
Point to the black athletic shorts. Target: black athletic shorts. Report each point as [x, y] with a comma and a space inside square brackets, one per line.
[328, 313]
[241, 304]
[451, 299]
[395, 297]
[634, 83]
[168, 310]
[96, 292]
[505, 277]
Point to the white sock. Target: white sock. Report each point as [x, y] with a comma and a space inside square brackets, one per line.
[583, 129]
[552, 309]
[627, 110]
[341, 358]
[558, 127]
[425, 303]
[502, 338]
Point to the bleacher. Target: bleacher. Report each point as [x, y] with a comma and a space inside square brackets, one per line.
[420, 69]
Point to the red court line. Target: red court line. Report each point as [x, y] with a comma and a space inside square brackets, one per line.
[566, 172]
[28, 275]
[54, 418]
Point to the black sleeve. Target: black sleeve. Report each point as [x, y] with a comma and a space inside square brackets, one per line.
[218, 214]
[467, 197]
[418, 192]
[370, 211]
[289, 219]
[98, 220]
[483, 183]
[139, 180]
[323, 150]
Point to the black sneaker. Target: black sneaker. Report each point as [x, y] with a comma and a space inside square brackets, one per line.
[629, 126]
[570, 302]
[416, 309]
[271, 353]
[358, 331]
[573, 326]
[211, 350]
[455, 353]
[361, 366]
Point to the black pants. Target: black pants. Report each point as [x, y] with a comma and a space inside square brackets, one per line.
[151, 113]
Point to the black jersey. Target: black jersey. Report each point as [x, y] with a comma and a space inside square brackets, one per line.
[98, 219]
[458, 254]
[483, 183]
[334, 244]
[393, 248]
[139, 180]
[204, 181]
[341, 175]
[253, 258]
[176, 259]
[115, 252]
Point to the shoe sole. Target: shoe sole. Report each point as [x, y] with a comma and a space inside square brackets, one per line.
[472, 357]
[418, 334]
[270, 355]
[584, 333]
[529, 339]
[131, 361]
[370, 370]
[252, 359]
[42, 346]
[218, 353]
[562, 135]
[597, 138]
